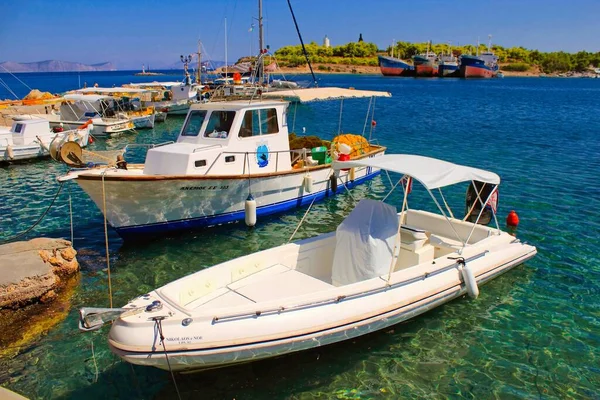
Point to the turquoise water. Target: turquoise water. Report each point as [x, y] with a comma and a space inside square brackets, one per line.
[533, 332]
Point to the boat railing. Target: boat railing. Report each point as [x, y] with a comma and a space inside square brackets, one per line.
[148, 145]
[296, 155]
[387, 286]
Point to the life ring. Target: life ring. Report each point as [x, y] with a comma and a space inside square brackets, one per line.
[85, 125]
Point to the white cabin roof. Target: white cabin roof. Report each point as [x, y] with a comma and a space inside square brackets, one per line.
[431, 172]
[237, 104]
[111, 90]
[86, 97]
[324, 94]
[154, 84]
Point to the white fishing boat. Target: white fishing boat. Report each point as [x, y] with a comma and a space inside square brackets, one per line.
[77, 109]
[175, 98]
[232, 161]
[135, 104]
[33, 138]
[379, 268]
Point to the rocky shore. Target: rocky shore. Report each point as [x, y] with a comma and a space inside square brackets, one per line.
[33, 271]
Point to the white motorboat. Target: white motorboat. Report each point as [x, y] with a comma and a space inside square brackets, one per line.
[33, 138]
[232, 161]
[77, 109]
[134, 104]
[175, 98]
[379, 268]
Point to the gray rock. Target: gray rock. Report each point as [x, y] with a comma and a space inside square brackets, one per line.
[32, 270]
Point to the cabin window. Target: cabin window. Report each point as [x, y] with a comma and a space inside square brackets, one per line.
[219, 124]
[259, 122]
[18, 128]
[194, 123]
[229, 159]
[200, 163]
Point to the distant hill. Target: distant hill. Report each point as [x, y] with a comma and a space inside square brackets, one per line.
[54, 66]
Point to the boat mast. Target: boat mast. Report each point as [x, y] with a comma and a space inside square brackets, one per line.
[226, 76]
[393, 44]
[261, 43]
[199, 70]
[490, 43]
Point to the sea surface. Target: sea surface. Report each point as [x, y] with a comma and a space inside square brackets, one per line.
[534, 332]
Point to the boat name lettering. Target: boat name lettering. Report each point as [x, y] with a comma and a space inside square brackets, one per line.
[183, 340]
[204, 187]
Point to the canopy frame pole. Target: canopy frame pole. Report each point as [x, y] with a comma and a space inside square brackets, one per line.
[341, 112]
[481, 212]
[445, 203]
[478, 192]
[393, 187]
[447, 219]
[398, 239]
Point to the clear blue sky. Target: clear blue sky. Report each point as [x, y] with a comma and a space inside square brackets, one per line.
[131, 32]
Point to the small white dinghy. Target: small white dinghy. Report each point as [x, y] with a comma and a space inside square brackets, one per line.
[378, 269]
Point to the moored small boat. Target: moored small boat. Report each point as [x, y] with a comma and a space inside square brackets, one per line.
[33, 138]
[226, 153]
[379, 268]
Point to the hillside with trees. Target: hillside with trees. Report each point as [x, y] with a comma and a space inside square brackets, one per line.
[364, 53]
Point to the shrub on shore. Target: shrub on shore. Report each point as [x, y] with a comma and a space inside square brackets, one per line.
[517, 67]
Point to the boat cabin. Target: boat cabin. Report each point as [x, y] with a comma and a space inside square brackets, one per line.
[227, 138]
[25, 132]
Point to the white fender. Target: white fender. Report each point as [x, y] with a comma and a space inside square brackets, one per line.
[250, 211]
[10, 152]
[352, 174]
[308, 183]
[470, 282]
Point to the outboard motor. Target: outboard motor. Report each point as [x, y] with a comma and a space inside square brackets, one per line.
[484, 190]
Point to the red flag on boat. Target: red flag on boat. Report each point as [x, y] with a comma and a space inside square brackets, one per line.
[407, 184]
[493, 200]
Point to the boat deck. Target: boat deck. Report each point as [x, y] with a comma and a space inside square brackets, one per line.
[272, 283]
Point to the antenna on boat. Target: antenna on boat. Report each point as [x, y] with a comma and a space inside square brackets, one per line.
[477, 54]
[393, 45]
[199, 70]
[302, 43]
[226, 51]
[489, 43]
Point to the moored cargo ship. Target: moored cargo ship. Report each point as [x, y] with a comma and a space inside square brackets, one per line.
[426, 64]
[391, 66]
[479, 66]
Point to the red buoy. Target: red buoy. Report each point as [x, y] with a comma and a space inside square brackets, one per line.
[373, 123]
[512, 219]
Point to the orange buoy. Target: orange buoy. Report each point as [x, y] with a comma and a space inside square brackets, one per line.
[512, 219]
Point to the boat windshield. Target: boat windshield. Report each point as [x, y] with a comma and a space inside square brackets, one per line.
[194, 123]
[219, 124]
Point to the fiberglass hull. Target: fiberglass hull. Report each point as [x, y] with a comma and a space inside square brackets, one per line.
[220, 338]
[139, 206]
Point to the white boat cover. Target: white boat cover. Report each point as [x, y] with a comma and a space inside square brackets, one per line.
[365, 243]
[324, 94]
[86, 97]
[431, 172]
[110, 90]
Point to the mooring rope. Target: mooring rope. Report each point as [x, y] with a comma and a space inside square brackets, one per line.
[20, 235]
[158, 322]
[106, 240]
[307, 211]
